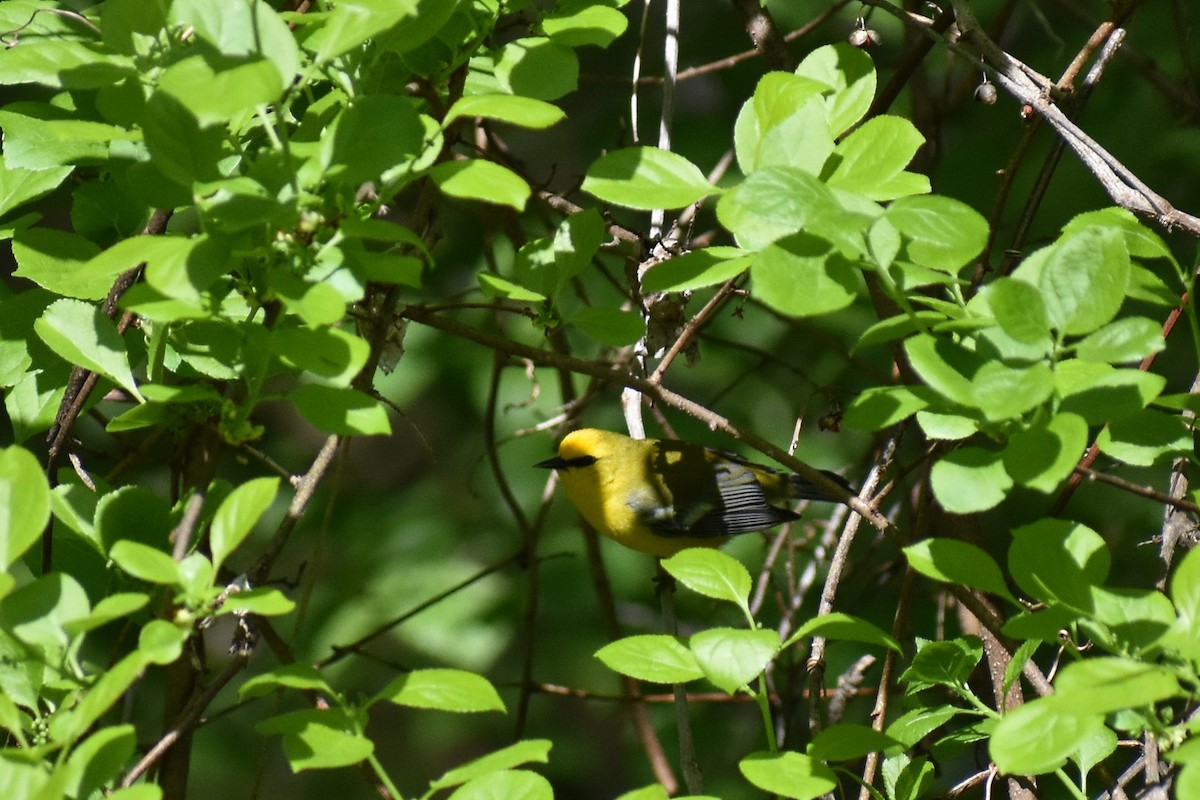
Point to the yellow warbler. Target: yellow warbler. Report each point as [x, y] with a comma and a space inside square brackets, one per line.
[662, 496]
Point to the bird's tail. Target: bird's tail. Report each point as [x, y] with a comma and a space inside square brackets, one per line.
[801, 489]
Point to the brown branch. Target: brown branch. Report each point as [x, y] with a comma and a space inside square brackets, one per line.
[1035, 91]
[186, 722]
[760, 26]
[611, 374]
[1038, 92]
[883, 696]
[837, 565]
[82, 382]
[1178, 503]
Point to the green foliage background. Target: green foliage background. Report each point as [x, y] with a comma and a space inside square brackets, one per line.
[335, 202]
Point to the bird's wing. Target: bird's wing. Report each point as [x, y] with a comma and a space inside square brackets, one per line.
[740, 507]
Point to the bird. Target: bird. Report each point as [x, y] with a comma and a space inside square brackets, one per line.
[660, 496]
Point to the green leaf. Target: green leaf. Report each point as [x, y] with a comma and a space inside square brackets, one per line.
[843, 627]
[24, 502]
[266, 601]
[237, 515]
[971, 378]
[376, 132]
[777, 201]
[105, 211]
[215, 94]
[945, 366]
[110, 608]
[1093, 749]
[947, 427]
[611, 326]
[139, 791]
[696, 269]
[970, 479]
[1140, 241]
[182, 149]
[1107, 684]
[647, 178]
[58, 261]
[99, 759]
[1083, 280]
[38, 612]
[1056, 560]
[897, 327]
[332, 353]
[481, 180]
[294, 676]
[846, 741]
[785, 124]
[18, 185]
[850, 73]
[651, 657]
[146, 563]
[801, 275]
[914, 725]
[872, 158]
[954, 561]
[942, 233]
[346, 412]
[1039, 736]
[655, 791]
[514, 784]
[43, 136]
[1045, 454]
[1130, 620]
[947, 663]
[523, 752]
[1146, 437]
[537, 67]
[237, 204]
[175, 266]
[581, 23]
[1126, 339]
[100, 697]
[1185, 587]
[907, 779]
[1100, 394]
[711, 573]
[250, 28]
[443, 690]
[313, 739]
[523, 111]
[81, 335]
[495, 286]
[132, 513]
[352, 22]
[160, 642]
[788, 774]
[1019, 309]
[881, 407]
[731, 658]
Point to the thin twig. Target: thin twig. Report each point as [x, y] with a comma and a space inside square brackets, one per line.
[186, 723]
[1179, 503]
[689, 764]
[837, 565]
[884, 694]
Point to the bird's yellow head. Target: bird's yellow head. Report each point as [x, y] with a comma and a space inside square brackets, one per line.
[597, 470]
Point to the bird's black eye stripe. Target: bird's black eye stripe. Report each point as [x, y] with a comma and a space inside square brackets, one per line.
[579, 461]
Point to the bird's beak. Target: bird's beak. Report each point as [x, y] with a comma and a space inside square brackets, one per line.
[552, 463]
